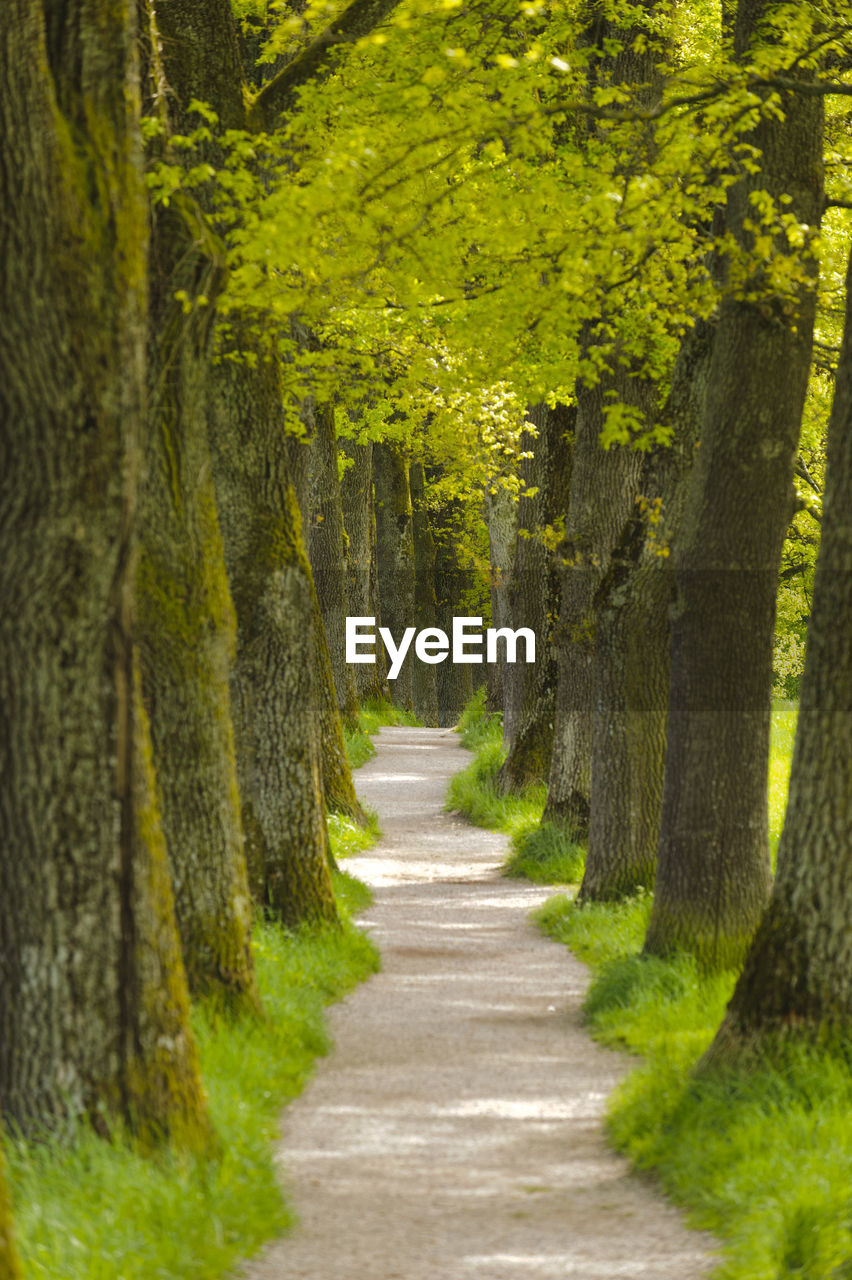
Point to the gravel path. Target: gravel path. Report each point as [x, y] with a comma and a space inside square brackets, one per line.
[455, 1131]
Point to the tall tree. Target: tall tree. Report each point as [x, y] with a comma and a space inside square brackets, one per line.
[395, 555]
[501, 515]
[186, 623]
[356, 494]
[424, 681]
[798, 973]
[622, 48]
[328, 553]
[10, 1267]
[630, 672]
[604, 488]
[713, 860]
[534, 593]
[93, 999]
[277, 682]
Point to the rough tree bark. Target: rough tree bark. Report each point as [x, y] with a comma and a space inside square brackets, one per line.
[455, 681]
[186, 624]
[603, 483]
[534, 596]
[604, 488]
[630, 681]
[395, 555]
[277, 679]
[93, 998]
[274, 683]
[501, 514]
[424, 678]
[328, 553]
[713, 859]
[797, 977]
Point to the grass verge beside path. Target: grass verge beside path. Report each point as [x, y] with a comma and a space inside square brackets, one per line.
[92, 1210]
[543, 852]
[760, 1156]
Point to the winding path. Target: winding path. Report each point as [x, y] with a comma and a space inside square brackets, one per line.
[455, 1131]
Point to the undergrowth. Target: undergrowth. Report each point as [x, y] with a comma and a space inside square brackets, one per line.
[759, 1151]
[543, 852]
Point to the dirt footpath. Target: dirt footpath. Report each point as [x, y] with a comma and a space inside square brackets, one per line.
[455, 1131]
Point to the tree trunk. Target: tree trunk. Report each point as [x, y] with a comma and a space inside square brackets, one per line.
[631, 657]
[274, 685]
[329, 558]
[187, 629]
[501, 514]
[276, 680]
[424, 677]
[395, 556]
[356, 495]
[798, 973]
[534, 599]
[604, 488]
[713, 861]
[454, 680]
[93, 1003]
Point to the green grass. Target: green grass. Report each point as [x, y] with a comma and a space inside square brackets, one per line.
[759, 1152]
[544, 853]
[373, 714]
[347, 837]
[100, 1211]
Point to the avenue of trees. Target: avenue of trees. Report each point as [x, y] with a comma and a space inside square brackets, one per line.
[534, 312]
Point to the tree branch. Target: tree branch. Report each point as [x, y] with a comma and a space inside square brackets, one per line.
[316, 61]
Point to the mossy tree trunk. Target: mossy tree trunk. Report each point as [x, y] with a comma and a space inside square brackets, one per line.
[526, 520]
[328, 553]
[501, 514]
[797, 977]
[93, 997]
[187, 630]
[395, 556]
[356, 495]
[275, 682]
[424, 677]
[534, 596]
[604, 482]
[604, 488]
[455, 681]
[713, 860]
[630, 679]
